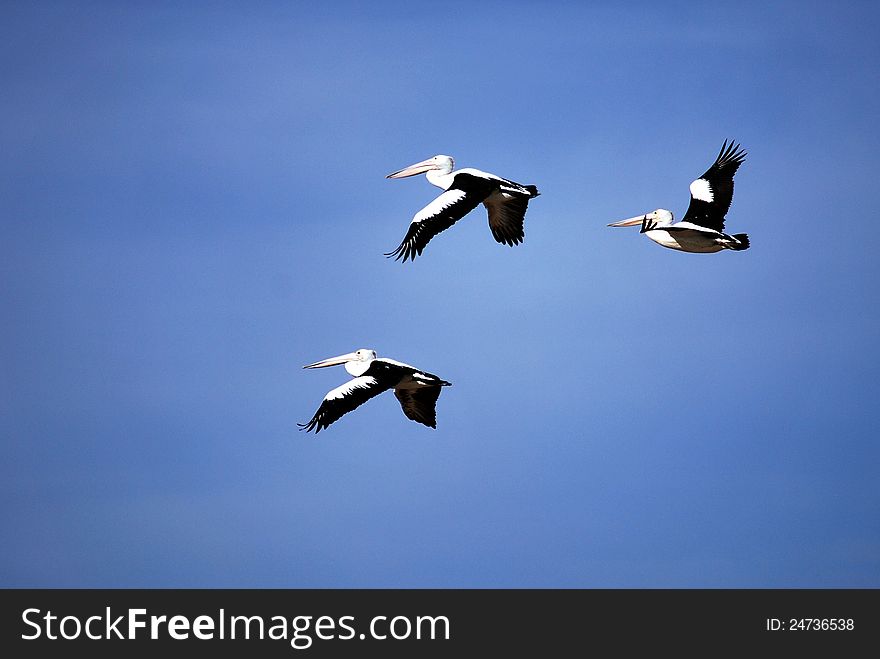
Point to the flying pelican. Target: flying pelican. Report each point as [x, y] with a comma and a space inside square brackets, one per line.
[702, 227]
[505, 200]
[416, 390]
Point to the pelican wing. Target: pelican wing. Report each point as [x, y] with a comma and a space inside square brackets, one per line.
[712, 193]
[463, 196]
[420, 404]
[344, 399]
[506, 215]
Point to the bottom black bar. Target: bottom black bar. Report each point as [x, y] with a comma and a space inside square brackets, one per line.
[419, 623]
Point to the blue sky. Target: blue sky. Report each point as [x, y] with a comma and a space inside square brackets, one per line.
[193, 206]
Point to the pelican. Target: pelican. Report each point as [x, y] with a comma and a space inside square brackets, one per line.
[701, 229]
[416, 390]
[465, 189]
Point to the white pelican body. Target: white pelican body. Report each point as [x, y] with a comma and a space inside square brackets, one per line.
[416, 390]
[506, 202]
[701, 231]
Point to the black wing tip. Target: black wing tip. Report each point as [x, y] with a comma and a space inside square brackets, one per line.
[396, 254]
[510, 242]
[731, 153]
[314, 424]
[511, 239]
[404, 251]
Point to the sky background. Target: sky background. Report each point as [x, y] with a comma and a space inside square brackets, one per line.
[193, 206]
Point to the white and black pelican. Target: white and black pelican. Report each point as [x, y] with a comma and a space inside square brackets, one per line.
[701, 229]
[416, 390]
[465, 189]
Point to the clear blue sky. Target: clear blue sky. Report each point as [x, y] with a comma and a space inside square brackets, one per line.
[193, 206]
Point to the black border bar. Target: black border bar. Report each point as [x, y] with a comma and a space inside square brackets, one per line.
[528, 622]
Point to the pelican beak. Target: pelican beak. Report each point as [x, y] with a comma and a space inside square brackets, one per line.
[630, 222]
[412, 170]
[333, 361]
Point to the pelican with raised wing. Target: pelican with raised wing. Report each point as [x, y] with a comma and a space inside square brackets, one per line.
[416, 390]
[506, 202]
[701, 230]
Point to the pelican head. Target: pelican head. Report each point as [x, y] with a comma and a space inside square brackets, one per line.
[653, 220]
[362, 355]
[443, 164]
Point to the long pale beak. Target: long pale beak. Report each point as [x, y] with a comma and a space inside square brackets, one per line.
[628, 223]
[333, 361]
[412, 170]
